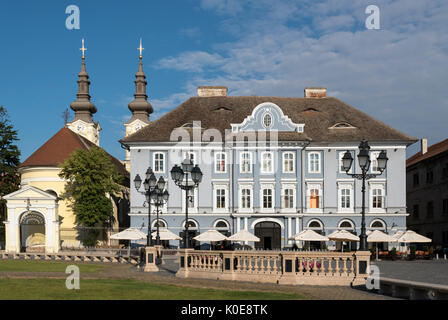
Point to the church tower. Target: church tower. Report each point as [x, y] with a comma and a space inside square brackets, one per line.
[84, 109]
[140, 107]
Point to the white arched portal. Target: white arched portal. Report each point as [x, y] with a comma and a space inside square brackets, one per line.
[37, 210]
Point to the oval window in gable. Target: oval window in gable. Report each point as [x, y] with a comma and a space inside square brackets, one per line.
[267, 120]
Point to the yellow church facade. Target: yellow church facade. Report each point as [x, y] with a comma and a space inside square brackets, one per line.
[37, 219]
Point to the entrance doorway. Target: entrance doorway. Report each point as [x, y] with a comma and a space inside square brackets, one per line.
[32, 232]
[270, 234]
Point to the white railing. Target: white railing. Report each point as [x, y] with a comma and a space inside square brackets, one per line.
[288, 267]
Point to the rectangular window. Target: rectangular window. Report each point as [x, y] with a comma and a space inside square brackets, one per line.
[416, 211]
[288, 198]
[288, 162]
[191, 198]
[267, 165]
[430, 210]
[377, 198]
[445, 171]
[374, 162]
[220, 198]
[314, 199]
[246, 162]
[415, 180]
[159, 162]
[267, 199]
[346, 198]
[429, 176]
[246, 199]
[191, 155]
[314, 162]
[445, 207]
[220, 162]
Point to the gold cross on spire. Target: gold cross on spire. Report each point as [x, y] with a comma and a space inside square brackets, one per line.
[83, 48]
[140, 48]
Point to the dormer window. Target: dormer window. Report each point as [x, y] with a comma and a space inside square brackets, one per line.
[342, 125]
[267, 120]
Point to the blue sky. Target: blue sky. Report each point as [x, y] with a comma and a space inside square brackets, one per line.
[255, 47]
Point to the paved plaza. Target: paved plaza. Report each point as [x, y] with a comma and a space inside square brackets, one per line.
[429, 271]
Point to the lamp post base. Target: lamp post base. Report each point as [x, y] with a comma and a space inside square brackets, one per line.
[151, 254]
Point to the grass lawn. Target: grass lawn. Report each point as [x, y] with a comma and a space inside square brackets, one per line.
[44, 266]
[118, 289]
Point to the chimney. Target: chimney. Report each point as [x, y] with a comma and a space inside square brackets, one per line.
[212, 91]
[424, 144]
[315, 92]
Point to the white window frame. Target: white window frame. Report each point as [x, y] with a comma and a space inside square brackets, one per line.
[154, 162]
[292, 160]
[350, 186]
[319, 163]
[373, 156]
[377, 185]
[216, 162]
[267, 187]
[292, 187]
[309, 187]
[240, 197]
[341, 155]
[242, 162]
[262, 162]
[224, 187]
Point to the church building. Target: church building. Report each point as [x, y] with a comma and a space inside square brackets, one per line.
[37, 220]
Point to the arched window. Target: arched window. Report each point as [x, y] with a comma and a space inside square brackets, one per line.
[315, 225]
[378, 225]
[192, 225]
[161, 223]
[221, 224]
[346, 225]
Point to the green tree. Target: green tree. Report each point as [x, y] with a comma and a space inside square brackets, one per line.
[9, 160]
[91, 179]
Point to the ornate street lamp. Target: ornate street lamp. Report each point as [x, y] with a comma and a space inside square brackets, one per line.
[364, 164]
[180, 178]
[148, 185]
[159, 196]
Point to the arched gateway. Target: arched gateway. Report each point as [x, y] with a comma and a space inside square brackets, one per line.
[32, 232]
[270, 234]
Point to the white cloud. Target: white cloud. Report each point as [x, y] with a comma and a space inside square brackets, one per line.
[194, 61]
[396, 74]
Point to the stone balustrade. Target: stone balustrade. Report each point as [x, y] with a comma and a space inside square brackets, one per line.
[76, 257]
[282, 267]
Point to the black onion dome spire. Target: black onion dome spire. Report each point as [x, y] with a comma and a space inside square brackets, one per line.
[140, 107]
[82, 106]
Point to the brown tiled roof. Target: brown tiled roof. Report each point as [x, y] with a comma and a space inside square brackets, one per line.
[433, 150]
[59, 147]
[318, 115]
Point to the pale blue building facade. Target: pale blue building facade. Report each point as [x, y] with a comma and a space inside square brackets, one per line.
[273, 167]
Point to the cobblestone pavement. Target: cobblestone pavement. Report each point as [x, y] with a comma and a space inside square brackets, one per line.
[430, 271]
[166, 276]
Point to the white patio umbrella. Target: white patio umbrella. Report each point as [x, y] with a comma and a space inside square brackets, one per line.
[308, 235]
[413, 237]
[379, 236]
[129, 234]
[165, 234]
[343, 235]
[243, 235]
[210, 236]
